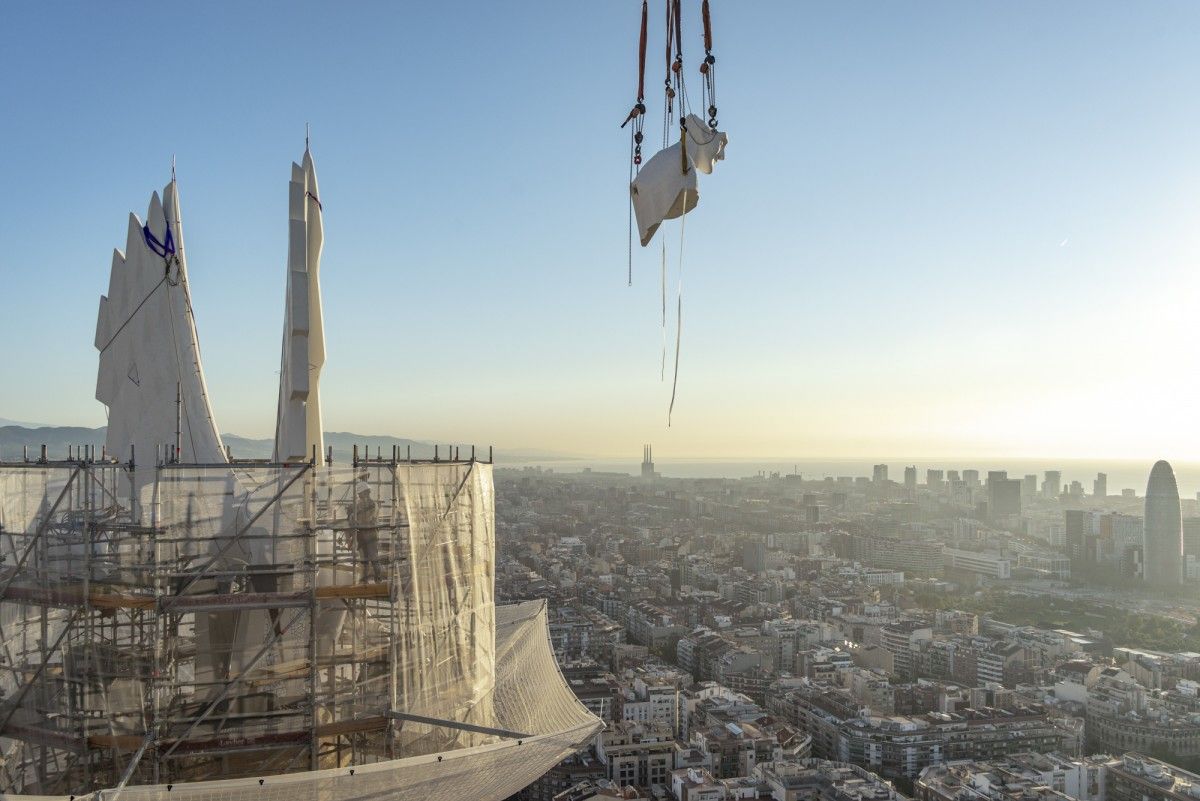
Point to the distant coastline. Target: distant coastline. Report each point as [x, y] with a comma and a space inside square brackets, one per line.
[1122, 473]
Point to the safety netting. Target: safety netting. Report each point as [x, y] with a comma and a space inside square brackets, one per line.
[278, 629]
[530, 693]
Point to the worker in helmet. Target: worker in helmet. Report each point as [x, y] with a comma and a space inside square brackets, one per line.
[364, 517]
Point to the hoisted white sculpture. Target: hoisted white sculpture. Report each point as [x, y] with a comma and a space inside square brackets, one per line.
[666, 187]
[298, 431]
[150, 375]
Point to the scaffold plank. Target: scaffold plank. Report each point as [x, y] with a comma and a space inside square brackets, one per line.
[66, 597]
[131, 742]
[353, 591]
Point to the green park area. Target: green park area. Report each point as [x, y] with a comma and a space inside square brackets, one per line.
[1121, 627]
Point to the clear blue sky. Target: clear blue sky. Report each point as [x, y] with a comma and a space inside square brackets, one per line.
[941, 228]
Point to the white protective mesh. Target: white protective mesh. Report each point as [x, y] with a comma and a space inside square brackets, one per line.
[150, 375]
[298, 430]
[530, 694]
[282, 622]
[447, 624]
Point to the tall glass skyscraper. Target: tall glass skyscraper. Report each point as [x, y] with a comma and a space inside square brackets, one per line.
[1162, 549]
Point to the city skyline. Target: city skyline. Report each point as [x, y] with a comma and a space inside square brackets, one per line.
[332, 490]
[959, 275]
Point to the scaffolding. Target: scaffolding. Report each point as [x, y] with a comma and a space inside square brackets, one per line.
[249, 629]
[248, 619]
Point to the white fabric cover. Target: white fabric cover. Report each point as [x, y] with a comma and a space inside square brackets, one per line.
[662, 189]
[148, 345]
[298, 424]
[705, 146]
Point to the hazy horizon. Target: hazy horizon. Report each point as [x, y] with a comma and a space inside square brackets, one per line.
[859, 455]
[1123, 473]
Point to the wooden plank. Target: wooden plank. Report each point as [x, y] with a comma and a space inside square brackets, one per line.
[122, 742]
[131, 742]
[353, 591]
[114, 601]
[377, 723]
[69, 597]
[43, 736]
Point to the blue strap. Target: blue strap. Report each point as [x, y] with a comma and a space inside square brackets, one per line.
[163, 249]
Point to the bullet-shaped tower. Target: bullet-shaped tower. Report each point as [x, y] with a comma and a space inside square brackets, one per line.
[1162, 550]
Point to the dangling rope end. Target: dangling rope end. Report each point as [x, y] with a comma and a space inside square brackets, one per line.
[662, 373]
[678, 316]
[629, 277]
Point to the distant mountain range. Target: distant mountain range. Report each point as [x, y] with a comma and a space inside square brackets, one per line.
[15, 437]
[4, 421]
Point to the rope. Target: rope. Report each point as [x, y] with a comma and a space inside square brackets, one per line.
[692, 136]
[708, 68]
[707, 25]
[675, 71]
[133, 314]
[642, 54]
[163, 249]
[183, 412]
[670, 26]
[662, 375]
[669, 92]
[678, 6]
[678, 313]
[630, 239]
[638, 115]
[181, 281]
[639, 107]
[683, 137]
[187, 302]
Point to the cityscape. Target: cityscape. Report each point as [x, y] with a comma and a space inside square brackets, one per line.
[339, 498]
[914, 633]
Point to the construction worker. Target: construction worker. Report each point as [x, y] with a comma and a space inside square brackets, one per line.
[364, 516]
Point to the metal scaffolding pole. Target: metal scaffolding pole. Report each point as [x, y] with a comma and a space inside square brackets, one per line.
[275, 635]
[163, 625]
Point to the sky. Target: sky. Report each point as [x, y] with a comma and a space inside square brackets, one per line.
[941, 228]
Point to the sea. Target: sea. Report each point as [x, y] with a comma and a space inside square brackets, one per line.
[1122, 474]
